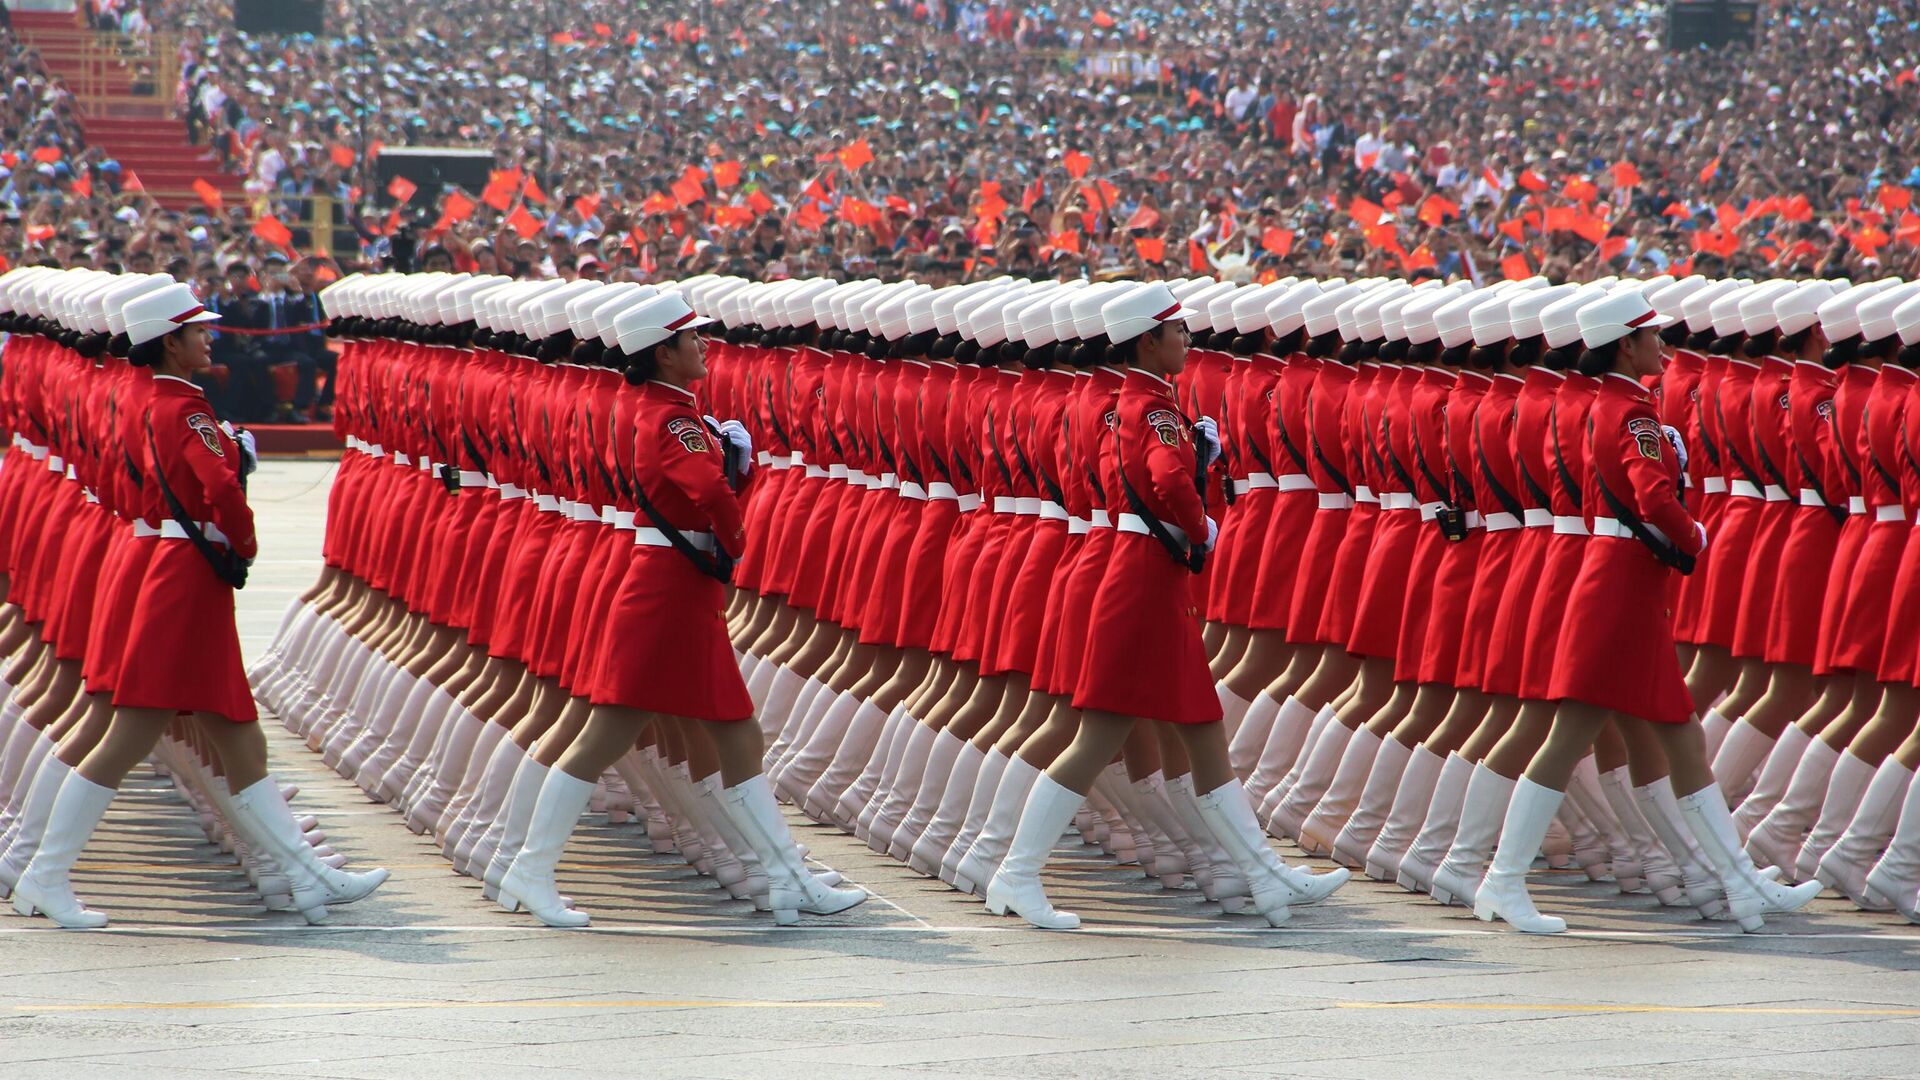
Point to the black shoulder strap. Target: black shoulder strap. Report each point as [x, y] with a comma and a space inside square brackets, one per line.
[1500, 493]
[1286, 443]
[1560, 461]
[1732, 452]
[1320, 455]
[718, 565]
[1662, 549]
[1184, 553]
[1817, 484]
[227, 565]
[1892, 482]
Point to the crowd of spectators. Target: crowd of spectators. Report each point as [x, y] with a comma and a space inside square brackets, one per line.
[947, 140]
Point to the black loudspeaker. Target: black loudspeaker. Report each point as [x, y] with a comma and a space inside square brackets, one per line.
[1715, 24]
[432, 169]
[280, 16]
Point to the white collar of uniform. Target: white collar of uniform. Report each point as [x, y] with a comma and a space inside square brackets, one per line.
[915, 363]
[1081, 373]
[1111, 370]
[178, 379]
[1742, 361]
[1560, 375]
[1628, 379]
[1155, 378]
[691, 396]
[1883, 366]
[949, 364]
[1508, 375]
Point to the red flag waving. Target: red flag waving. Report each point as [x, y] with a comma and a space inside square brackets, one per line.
[402, 189]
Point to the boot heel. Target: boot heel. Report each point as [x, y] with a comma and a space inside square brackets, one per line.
[993, 908]
[315, 915]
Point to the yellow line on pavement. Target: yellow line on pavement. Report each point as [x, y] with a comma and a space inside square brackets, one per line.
[1748, 1010]
[156, 1006]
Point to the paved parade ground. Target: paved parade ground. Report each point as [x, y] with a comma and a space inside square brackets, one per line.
[426, 980]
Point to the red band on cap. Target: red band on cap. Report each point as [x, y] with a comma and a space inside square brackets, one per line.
[1645, 317]
[1167, 314]
[185, 315]
[682, 320]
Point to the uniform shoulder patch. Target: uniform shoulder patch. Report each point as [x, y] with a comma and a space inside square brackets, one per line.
[203, 425]
[1166, 424]
[1824, 410]
[690, 433]
[1647, 436]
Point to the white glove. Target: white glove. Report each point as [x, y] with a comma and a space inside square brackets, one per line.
[736, 444]
[249, 450]
[1213, 533]
[1700, 535]
[1206, 438]
[1679, 445]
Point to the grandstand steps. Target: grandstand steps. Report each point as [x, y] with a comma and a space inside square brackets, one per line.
[141, 136]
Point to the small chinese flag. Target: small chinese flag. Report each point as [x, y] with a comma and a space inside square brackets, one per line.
[47, 155]
[688, 191]
[132, 182]
[1514, 268]
[586, 206]
[809, 216]
[1068, 240]
[342, 156]
[1894, 197]
[458, 207]
[523, 223]
[531, 189]
[208, 194]
[1436, 210]
[1197, 257]
[1076, 163]
[855, 154]
[1531, 180]
[760, 201]
[83, 185]
[402, 189]
[1625, 175]
[1150, 248]
[1277, 240]
[273, 232]
[726, 174]
[1712, 170]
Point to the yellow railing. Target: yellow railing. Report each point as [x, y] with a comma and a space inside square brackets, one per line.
[318, 221]
[112, 72]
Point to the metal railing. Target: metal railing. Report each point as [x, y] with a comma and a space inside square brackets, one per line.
[110, 72]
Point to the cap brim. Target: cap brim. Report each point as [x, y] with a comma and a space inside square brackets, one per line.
[205, 316]
[1181, 312]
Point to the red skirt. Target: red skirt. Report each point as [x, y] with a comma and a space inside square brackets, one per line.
[1020, 631]
[452, 551]
[1313, 579]
[1616, 650]
[1793, 623]
[512, 629]
[1349, 570]
[1069, 640]
[1416, 615]
[1548, 614]
[1902, 640]
[555, 609]
[788, 537]
[665, 647]
[773, 489]
[1863, 625]
[1020, 541]
[1497, 554]
[1507, 640]
[1730, 542]
[1691, 603]
[1236, 565]
[595, 592]
[1144, 654]
[1376, 621]
[1833, 606]
[1287, 560]
[825, 517]
[87, 543]
[1764, 571]
[182, 651]
[925, 564]
[977, 577]
[501, 524]
[1046, 655]
[122, 575]
[970, 535]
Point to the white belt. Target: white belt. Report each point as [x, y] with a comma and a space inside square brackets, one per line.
[1775, 493]
[1896, 512]
[838, 472]
[940, 489]
[1474, 520]
[911, 490]
[1856, 504]
[172, 530]
[764, 458]
[796, 459]
[512, 491]
[426, 464]
[493, 481]
[141, 528]
[1537, 518]
[377, 450]
[353, 442]
[1294, 482]
[1570, 525]
[1429, 511]
[1744, 489]
[1098, 519]
[889, 482]
[652, 537]
[472, 479]
[1134, 523]
[1614, 527]
[1810, 497]
[582, 512]
[401, 459]
[71, 475]
[815, 470]
[623, 519]
[1501, 522]
[606, 515]
[37, 453]
[1025, 507]
[90, 496]
[56, 463]
[1713, 485]
[777, 461]
[546, 503]
[1053, 511]
[1003, 504]
[1397, 500]
[860, 479]
[1255, 480]
[1077, 526]
[969, 503]
[1364, 494]
[1335, 500]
